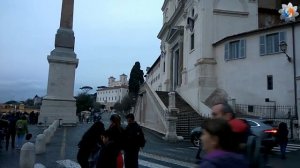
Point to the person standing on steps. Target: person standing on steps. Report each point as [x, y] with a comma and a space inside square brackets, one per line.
[134, 141]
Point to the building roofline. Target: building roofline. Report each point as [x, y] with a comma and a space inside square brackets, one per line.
[154, 64]
[255, 31]
[111, 88]
[164, 5]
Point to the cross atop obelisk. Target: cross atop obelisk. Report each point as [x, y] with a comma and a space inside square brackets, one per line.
[59, 103]
[65, 35]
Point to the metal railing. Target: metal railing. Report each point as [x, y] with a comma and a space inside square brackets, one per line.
[274, 114]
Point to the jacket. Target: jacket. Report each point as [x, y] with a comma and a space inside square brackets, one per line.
[223, 159]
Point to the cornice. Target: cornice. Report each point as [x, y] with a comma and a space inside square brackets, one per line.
[174, 17]
[164, 5]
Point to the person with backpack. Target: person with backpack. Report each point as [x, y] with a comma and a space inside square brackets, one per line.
[134, 141]
[21, 130]
[218, 143]
[239, 127]
[248, 144]
[282, 138]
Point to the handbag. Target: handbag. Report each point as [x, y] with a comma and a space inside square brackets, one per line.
[93, 158]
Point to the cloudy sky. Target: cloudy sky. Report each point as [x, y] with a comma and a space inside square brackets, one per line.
[110, 36]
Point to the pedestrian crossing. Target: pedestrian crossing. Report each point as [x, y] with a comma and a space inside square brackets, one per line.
[146, 160]
[156, 161]
[289, 148]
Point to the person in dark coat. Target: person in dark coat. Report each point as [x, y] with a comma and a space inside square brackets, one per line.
[219, 144]
[116, 131]
[133, 133]
[11, 133]
[282, 138]
[3, 129]
[90, 142]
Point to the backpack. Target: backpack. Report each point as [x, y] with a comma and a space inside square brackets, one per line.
[20, 126]
[141, 138]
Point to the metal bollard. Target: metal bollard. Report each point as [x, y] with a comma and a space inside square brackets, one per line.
[47, 135]
[40, 144]
[27, 155]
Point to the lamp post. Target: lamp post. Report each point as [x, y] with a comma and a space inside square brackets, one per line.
[283, 47]
[288, 14]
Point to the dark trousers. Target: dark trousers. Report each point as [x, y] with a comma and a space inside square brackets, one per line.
[82, 158]
[283, 148]
[11, 136]
[131, 158]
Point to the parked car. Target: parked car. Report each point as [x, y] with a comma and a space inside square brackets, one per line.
[259, 127]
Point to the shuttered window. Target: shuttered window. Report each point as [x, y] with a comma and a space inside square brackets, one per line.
[269, 43]
[235, 50]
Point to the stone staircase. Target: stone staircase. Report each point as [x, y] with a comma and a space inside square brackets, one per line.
[188, 118]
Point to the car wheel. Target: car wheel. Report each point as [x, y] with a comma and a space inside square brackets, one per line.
[196, 141]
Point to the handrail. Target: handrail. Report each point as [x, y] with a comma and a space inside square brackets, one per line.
[161, 106]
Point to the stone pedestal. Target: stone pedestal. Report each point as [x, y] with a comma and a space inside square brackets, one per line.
[171, 119]
[59, 102]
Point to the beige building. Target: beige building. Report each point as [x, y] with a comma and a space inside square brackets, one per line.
[114, 93]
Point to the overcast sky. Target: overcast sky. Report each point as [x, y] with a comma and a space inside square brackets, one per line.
[110, 36]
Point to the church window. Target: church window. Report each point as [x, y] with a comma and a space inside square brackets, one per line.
[192, 41]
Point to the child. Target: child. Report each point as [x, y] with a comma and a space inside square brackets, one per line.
[110, 154]
[28, 137]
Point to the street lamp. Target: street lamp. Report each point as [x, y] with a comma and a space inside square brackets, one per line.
[283, 47]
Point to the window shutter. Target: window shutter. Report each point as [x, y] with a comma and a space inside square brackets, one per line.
[226, 51]
[242, 49]
[282, 37]
[262, 43]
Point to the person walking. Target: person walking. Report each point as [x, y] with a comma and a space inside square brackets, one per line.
[21, 130]
[89, 145]
[218, 142]
[11, 133]
[282, 138]
[134, 141]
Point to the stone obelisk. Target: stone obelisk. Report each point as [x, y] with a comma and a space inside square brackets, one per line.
[59, 103]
